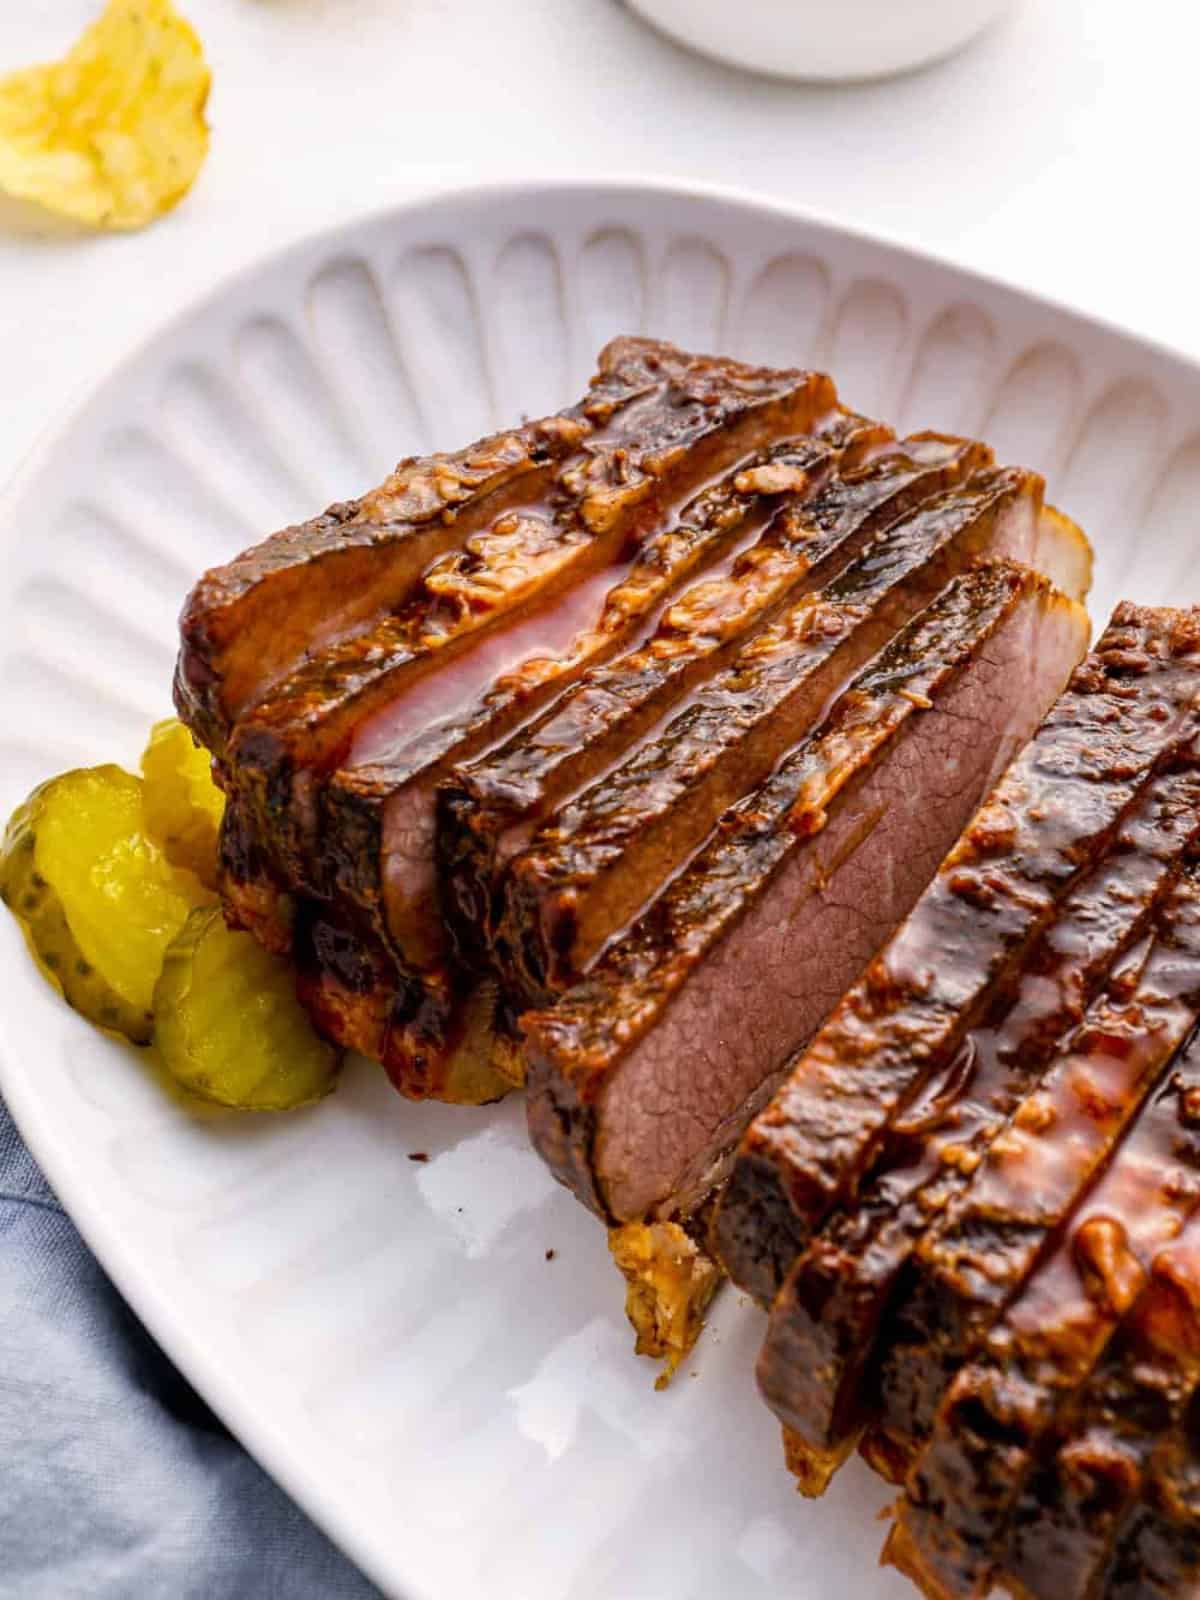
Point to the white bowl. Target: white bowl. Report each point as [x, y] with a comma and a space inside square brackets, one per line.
[817, 39]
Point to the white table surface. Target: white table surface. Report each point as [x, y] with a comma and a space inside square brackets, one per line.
[1054, 153]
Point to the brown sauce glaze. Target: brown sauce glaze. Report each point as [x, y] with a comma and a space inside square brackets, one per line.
[597, 861]
[638, 1033]
[1157, 1552]
[830, 1323]
[378, 817]
[1061, 802]
[493, 805]
[1094, 1174]
[246, 625]
[654, 443]
[1084, 1492]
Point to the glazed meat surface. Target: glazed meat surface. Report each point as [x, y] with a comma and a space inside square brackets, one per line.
[644, 1075]
[492, 806]
[971, 1209]
[1129, 705]
[590, 868]
[470, 724]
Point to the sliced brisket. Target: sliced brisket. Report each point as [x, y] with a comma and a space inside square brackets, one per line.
[831, 1317]
[376, 857]
[250, 889]
[247, 624]
[901, 1025]
[1075, 1239]
[378, 827]
[644, 1075]
[436, 1038]
[590, 868]
[533, 580]
[491, 806]
[980, 1250]
[1085, 1492]
[379, 810]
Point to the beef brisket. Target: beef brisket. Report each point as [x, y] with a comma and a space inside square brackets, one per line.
[379, 821]
[434, 1039]
[376, 855]
[644, 1075]
[247, 624]
[980, 1251]
[1085, 1492]
[1129, 706]
[613, 749]
[597, 861]
[346, 863]
[541, 570]
[379, 810]
[1075, 1279]
[832, 1313]
[250, 890]
[491, 806]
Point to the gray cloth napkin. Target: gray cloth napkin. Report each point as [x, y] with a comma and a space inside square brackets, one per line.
[116, 1480]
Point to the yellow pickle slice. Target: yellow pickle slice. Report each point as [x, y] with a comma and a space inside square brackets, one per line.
[229, 1027]
[181, 805]
[99, 901]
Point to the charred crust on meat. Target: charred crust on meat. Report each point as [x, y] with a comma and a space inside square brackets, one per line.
[520, 783]
[562, 1128]
[586, 1037]
[1091, 743]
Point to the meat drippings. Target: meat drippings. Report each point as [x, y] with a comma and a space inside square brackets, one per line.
[544, 638]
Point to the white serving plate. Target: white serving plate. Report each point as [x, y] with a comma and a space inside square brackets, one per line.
[462, 1415]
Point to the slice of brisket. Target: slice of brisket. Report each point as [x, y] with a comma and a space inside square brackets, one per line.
[247, 624]
[833, 1312]
[1157, 1555]
[532, 580]
[643, 1077]
[1101, 1173]
[596, 862]
[1085, 1493]
[901, 1025]
[490, 807]
[980, 1250]
[379, 810]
